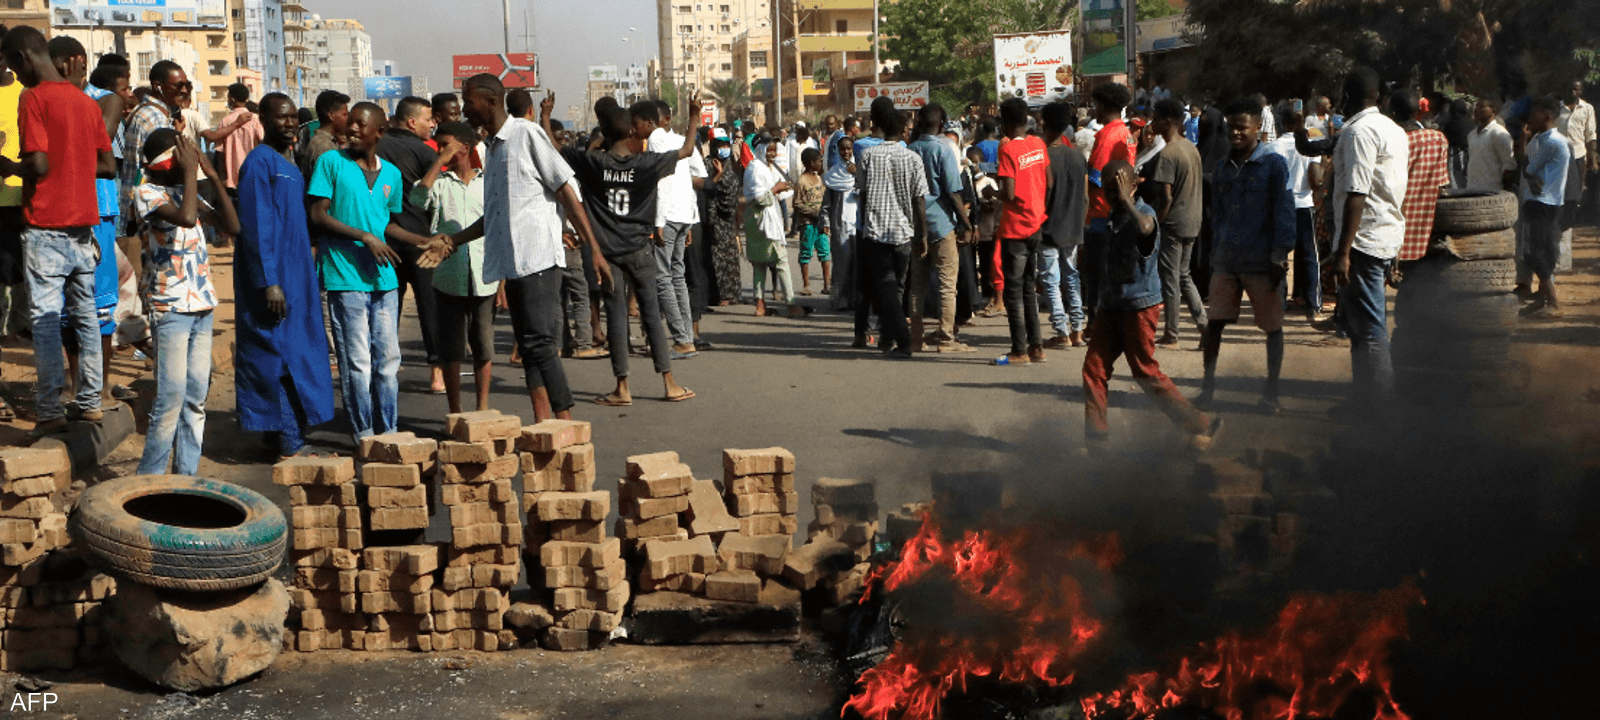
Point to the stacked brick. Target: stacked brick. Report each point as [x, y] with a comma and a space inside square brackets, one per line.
[759, 490]
[570, 557]
[326, 539]
[31, 524]
[43, 625]
[392, 470]
[60, 625]
[480, 564]
[839, 541]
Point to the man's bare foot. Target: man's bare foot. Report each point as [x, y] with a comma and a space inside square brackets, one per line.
[436, 384]
[761, 308]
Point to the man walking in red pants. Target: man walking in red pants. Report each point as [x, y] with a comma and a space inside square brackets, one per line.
[1129, 300]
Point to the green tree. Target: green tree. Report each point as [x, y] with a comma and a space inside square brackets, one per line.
[950, 43]
[732, 94]
[669, 95]
[1152, 9]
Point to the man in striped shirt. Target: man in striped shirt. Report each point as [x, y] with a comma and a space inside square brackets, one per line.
[892, 184]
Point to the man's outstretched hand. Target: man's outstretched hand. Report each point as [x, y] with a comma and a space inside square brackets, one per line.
[436, 251]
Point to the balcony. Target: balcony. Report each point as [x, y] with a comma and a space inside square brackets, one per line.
[834, 43]
[804, 5]
[292, 6]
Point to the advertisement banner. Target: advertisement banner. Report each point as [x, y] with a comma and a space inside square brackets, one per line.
[1167, 33]
[1103, 36]
[708, 113]
[388, 87]
[515, 70]
[602, 73]
[821, 72]
[1036, 67]
[170, 14]
[906, 96]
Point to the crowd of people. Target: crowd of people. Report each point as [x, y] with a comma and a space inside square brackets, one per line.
[1108, 219]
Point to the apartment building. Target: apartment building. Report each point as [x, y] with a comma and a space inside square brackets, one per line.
[338, 56]
[33, 13]
[827, 51]
[697, 37]
[257, 28]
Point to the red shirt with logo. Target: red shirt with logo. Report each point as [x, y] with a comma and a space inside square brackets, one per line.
[1027, 163]
[57, 119]
[1113, 142]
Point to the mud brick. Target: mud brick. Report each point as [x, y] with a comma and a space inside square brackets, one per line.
[326, 579]
[54, 530]
[384, 581]
[458, 557]
[441, 642]
[482, 425]
[310, 517]
[654, 465]
[40, 649]
[403, 559]
[675, 557]
[473, 472]
[385, 475]
[763, 554]
[738, 463]
[604, 578]
[325, 600]
[837, 492]
[468, 599]
[743, 505]
[687, 583]
[401, 448]
[858, 534]
[817, 558]
[500, 491]
[529, 616]
[539, 462]
[564, 640]
[636, 546]
[613, 600]
[468, 494]
[843, 587]
[396, 602]
[574, 506]
[491, 533]
[647, 508]
[586, 531]
[34, 508]
[707, 514]
[12, 596]
[846, 514]
[552, 435]
[329, 620]
[506, 512]
[456, 578]
[574, 458]
[391, 497]
[669, 484]
[594, 620]
[17, 530]
[577, 554]
[472, 514]
[18, 553]
[454, 451]
[31, 487]
[351, 538]
[495, 575]
[768, 524]
[313, 538]
[50, 616]
[304, 495]
[905, 523]
[325, 557]
[734, 586]
[633, 529]
[314, 471]
[18, 463]
[762, 483]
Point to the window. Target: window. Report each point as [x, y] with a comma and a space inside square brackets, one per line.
[727, 47]
[841, 27]
[689, 67]
[684, 9]
[217, 67]
[216, 41]
[727, 66]
[685, 29]
[726, 29]
[699, 28]
[724, 9]
[697, 8]
[758, 59]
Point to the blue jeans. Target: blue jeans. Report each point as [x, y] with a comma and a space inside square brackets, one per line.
[1363, 315]
[1066, 317]
[183, 377]
[366, 340]
[672, 288]
[61, 266]
[1307, 266]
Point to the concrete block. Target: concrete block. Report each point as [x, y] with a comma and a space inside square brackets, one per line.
[707, 514]
[552, 435]
[670, 618]
[737, 463]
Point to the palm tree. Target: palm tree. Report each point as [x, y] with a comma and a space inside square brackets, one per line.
[732, 94]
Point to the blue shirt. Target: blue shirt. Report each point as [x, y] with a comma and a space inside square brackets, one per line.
[944, 177]
[1191, 129]
[345, 264]
[106, 190]
[990, 150]
[1252, 212]
[1548, 159]
[1129, 279]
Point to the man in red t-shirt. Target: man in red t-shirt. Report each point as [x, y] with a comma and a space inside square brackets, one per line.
[1111, 142]
[1024, 172]
[64, 148]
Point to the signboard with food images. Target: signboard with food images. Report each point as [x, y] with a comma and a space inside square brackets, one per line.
[1036, 67]
[906, 96]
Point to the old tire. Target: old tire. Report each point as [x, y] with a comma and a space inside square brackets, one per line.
[1465, 213]
[1463, 277]
[181, 533]
[1493, 245]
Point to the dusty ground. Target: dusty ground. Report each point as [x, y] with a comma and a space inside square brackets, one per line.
[843, 412]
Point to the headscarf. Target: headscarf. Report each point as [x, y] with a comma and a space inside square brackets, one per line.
[759, 178]
[838, 177]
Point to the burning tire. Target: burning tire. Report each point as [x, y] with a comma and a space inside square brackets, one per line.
[1465, 213]
[181, 533]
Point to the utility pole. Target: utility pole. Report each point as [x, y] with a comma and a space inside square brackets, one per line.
[506, 7]
[777, 45]
[1130, 40]
[875, 61]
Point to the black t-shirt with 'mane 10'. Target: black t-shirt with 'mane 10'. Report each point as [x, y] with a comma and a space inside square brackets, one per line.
[619, 193]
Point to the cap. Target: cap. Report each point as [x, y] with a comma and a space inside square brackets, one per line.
[1138, 122]
[953, 127]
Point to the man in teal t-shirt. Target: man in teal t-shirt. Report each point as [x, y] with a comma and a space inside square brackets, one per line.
[353, 194]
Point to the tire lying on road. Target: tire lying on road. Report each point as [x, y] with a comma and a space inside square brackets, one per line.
[1464, 212]
[181, 533]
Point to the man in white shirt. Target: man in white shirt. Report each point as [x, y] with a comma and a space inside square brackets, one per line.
[526, 186]
[1369, 184]
[1577, 125]
[1307, 275]
[1491, 162]
[677, 212]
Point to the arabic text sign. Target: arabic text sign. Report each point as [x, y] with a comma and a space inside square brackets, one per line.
[139, 13]
[388, 87]
[906, 96]
[1036, 67]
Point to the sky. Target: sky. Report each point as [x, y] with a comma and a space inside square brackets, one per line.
[569, 35]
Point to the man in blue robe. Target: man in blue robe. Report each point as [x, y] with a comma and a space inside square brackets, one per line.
[284, 380]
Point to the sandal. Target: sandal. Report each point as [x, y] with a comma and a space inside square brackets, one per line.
[49, 427]
[687, 394]
[612, 401]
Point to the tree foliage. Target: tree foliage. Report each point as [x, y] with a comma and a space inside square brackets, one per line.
[949, 43]
[1152, 9]
[732, 94]
[669, 95]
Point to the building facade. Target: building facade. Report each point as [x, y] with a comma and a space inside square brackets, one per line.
[338, 55]
[752, 65]
[257, 27]
[697, 36]
[827, 51]
[33, 13]
[145, 48]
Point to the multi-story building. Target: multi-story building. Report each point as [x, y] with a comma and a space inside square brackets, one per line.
[752, 65]
[827, 50]
[257, 27]
[296, 55]
[696, 38]
[338, 55]
[145, 48]
[33, 13]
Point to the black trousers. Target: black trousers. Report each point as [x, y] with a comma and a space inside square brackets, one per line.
[969, 299]
[1091, 256]
[636, 270]
[884, 269]
[698, 272]
[536, 320]
[420, 280]
[1020, 256]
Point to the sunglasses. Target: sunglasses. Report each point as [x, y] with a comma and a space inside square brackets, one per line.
[185, 85]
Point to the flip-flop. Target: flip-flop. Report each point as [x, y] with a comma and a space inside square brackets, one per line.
[687, 394]
[609, 401]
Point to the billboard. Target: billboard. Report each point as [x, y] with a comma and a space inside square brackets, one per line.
[906, 96]
[515, 70]
[1036, 67]
[388, 87]
[1104, 52]
[602, 73]
[139, 13]
[708, 112]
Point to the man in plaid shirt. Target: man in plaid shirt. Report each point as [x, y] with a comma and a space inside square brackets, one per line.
[892, 185]
[1427, 169]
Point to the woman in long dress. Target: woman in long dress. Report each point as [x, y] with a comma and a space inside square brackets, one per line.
[763, 227]
[727, 183]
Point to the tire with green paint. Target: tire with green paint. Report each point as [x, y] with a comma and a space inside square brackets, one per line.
[181, 533]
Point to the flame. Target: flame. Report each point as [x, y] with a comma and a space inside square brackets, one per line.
[1037, 598]
[1320, 651]
[1031, 595]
